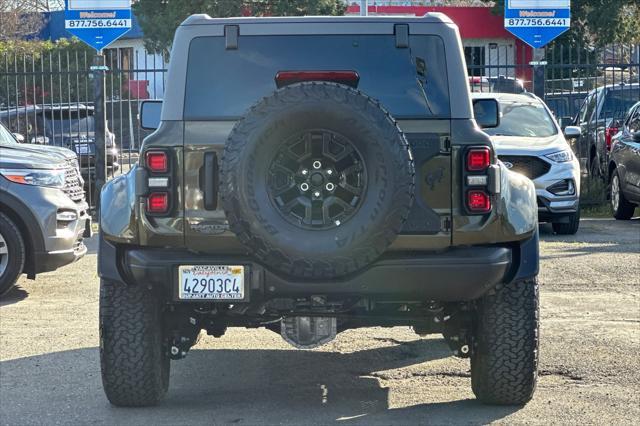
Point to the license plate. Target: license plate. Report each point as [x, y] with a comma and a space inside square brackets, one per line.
[82, 148]
[211, 282]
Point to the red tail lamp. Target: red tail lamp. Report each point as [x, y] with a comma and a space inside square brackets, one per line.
[478, 159]
[157, 161]
[478, 201]
[158, 202]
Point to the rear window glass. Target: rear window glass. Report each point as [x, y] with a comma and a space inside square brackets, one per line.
[617, 102]
[225, 83]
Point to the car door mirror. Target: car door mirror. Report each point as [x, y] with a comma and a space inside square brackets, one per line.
[150, 114]
[572, 132]
[565, 121]
[18, 137]
[486, 112]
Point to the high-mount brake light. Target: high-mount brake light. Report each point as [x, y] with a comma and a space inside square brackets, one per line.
[478, 159]
[157, 161]
[348, 78]
[478, 201]
[158, 202]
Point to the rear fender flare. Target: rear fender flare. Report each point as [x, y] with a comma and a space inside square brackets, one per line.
[518, 204]
[118, 209]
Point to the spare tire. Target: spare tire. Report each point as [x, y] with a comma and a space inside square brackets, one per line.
[317, 180]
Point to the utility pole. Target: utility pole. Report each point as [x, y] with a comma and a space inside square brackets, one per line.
[98, 72]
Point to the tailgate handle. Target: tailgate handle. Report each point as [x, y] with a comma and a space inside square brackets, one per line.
[210, 181]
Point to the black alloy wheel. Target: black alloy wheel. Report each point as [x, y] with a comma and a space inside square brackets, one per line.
[317, 179]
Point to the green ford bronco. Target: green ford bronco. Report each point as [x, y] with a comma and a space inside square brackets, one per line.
[313, 175]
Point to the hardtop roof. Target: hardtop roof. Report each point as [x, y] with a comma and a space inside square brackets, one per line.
[428, 18]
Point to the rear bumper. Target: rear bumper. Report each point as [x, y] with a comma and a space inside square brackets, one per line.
[458, 274]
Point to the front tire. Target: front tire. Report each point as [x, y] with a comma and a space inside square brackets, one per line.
[504, 361]
[569, 228]
[133, 356]
[622, 208]
[12, 254]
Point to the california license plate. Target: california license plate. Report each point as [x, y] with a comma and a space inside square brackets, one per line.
[211, 282]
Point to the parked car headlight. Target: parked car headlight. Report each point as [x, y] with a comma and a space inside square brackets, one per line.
[40, 177]
[42, 140]
[560, 156]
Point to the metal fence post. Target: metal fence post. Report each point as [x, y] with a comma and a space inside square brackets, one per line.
[98, 72]
[538, 72]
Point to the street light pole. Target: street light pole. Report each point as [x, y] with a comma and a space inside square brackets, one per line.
[364, 6]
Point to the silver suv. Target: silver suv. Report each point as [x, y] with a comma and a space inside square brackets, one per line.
[43, 213]
[529, 141]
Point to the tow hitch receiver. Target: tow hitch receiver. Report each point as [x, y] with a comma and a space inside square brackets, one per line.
[308, 332]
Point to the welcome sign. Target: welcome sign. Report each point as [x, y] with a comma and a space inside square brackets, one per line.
[98, 22]
[537, 22]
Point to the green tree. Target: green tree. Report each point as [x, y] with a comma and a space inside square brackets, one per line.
[159, 19]
[598, 22]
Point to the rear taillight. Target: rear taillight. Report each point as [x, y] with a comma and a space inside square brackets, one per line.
[479, 179]
[158, 202]
[478, 201]
[478, 159]
[157, 161]
[349, 78]
[609, 133]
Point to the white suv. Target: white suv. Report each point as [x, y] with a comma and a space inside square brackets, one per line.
[529, 141]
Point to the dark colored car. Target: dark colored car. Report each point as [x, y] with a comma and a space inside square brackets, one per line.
[313, 175]
[565, 106]
[70, 126]
[624, 166]
[600, 117]
[43, 213]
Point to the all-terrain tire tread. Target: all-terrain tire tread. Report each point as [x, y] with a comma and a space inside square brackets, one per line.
[135, 366]
[504, 362]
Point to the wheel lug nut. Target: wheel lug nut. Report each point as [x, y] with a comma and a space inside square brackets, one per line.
[305, 172]
[330, 186]
[316, 194]
[304, 186]
[317, 165]
[337, 222]
[329, 172]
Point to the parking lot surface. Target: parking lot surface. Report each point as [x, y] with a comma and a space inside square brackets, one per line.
[589, 356]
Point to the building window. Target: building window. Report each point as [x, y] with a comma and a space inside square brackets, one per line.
[474, 55]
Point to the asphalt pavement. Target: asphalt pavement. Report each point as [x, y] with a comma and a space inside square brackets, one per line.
[589, 357]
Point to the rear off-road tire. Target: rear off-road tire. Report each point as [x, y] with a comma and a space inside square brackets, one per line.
[133, 356]
[504, 361]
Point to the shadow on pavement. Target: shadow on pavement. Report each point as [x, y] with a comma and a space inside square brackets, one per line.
[237, 386]
[15, 295]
